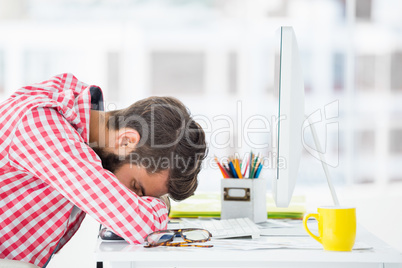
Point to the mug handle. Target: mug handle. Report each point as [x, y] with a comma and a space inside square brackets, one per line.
[313, 215]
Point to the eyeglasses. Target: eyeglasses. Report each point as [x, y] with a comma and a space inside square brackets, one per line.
[191, 235]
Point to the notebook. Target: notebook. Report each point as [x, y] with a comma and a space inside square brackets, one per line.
[208, 204]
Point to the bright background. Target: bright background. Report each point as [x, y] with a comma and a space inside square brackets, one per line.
[217, 57]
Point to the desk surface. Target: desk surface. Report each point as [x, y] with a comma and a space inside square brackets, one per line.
[122, 254]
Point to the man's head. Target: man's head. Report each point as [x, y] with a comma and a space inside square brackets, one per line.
[154, 147]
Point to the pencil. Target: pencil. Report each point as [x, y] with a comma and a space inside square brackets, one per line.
[237, 166]
[255, 165]
[227, 169]
[252, 162]
[233, 170]
[223, 171]
[247, 163]
[257, 173]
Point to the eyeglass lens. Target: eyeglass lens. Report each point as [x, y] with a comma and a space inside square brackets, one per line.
[158, 238]
[196, 235]
[193, 235]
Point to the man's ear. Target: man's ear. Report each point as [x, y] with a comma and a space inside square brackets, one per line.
[126, 140]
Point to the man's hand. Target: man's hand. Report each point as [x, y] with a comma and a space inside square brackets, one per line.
[166, 200]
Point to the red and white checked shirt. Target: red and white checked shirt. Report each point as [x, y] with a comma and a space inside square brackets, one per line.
[47, 168]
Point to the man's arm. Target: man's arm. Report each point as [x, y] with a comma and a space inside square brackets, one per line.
[46, 146]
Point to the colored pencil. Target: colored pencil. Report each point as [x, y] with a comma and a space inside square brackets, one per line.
[233, 170]
[237, 166]
[255, 165]
[227, 169]
[257, 173]
[247, 163]
[252, 162]
[223, 171]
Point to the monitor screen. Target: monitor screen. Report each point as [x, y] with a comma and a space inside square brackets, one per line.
[289, 88]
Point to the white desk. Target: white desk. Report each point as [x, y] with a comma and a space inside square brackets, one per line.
[123, 255]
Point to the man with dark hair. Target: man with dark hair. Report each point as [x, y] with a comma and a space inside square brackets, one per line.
[62, 157]
[162, 137]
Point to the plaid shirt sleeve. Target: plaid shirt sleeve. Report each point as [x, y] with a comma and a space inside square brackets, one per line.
[48, 147]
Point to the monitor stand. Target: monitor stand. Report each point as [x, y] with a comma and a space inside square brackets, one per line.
[323, 162]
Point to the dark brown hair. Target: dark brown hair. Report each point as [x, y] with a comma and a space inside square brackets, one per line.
[170, 139]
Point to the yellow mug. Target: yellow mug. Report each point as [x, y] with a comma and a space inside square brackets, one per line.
[336, 227]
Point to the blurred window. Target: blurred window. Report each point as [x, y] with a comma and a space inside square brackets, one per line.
[41, 64]
[395, 141]
[365, 180]
[396, 71]
[278, 8]
[365, 141]
[395, 179]
[232, 72]
[363, 9]
[36, 66]
[113, 74]
[342, 8]
[338, 71]
[365, 72]
[177, 72]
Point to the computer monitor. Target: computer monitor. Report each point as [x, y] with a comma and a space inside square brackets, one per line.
[289, 87]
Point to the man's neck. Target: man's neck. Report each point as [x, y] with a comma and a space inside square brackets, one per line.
[97, 129]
